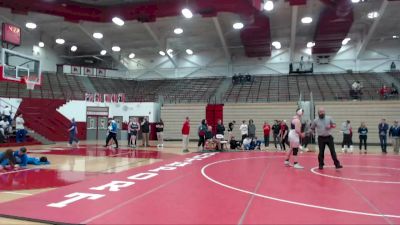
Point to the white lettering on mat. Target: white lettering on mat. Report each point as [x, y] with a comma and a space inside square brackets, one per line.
[115, 186]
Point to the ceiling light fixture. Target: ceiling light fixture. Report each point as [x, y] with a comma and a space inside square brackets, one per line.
[170, 51]
[178, 30]
[41, 44]
[98, 35]
[396, 37]
[118, 21]
[269, 5]
[277, 44]
[132, 55]
[103, 52]
[116, 48]
[306, 20]
[373, 15]
[345, 41]
[74, 48]
[238, 26]
[187, 13]
[189, 51]
[60, 41]
[310, 44]
[31, 25]
[161, 53]
[355, 1]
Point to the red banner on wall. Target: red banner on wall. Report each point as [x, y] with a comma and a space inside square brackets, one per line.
[97, 97]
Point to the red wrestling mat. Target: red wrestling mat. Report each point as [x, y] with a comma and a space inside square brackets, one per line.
[38, 178]
[100, 151]
[227, 188]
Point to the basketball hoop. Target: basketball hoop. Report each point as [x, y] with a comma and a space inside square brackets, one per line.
[30, 84]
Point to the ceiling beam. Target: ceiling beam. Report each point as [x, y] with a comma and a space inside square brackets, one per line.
[367, 39]
[295, 10]
[159, 43]
[222, 38]
[100, 44]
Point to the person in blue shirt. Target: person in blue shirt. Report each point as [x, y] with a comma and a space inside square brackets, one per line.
[38, 161]
[363, 132]
[7, 159]
[21, 157]
[394, 133]
[73, 131]
[112, 134]
[383, 128]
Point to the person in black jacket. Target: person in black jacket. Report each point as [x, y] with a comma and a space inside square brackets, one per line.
[160, 133]
[220, 128]
[363, 132]
[276, 128]
[145, 127]
[394, 134]
[231, 125]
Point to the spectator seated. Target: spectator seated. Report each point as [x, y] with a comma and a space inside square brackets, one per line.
[220, 141]
[384, 92]
[355, 92]
[234, 144]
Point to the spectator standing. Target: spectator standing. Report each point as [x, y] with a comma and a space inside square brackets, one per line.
[393, 66]
[19, 126]
[244, 130]
[129, 131]
[276, 128]
[267, 130]
[363, 133]
[7, 113]
[73, 131]
[134, 129]
[346, 129]
[383, 128]
[220, 128]
[252, 129]
[202, 130]
[160, 133]
[3, 128]
[283, 134]
[145, 127]
[112, 133]
[185, 134]
[231, 125]
[394, 133]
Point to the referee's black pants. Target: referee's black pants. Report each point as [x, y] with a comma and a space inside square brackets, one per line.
[322, 142]
[114, 137]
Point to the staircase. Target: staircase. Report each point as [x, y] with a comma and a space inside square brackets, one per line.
[88, 84]
[221, 90]
[41, 116]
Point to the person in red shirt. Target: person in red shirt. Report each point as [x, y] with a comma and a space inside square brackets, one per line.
[185, 134]
[267, 130]
[384, 92]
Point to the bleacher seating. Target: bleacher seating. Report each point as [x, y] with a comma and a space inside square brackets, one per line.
[324, 87]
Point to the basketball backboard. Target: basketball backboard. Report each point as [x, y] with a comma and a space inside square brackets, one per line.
[20, 68]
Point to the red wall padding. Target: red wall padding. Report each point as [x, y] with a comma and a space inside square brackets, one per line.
[213, 114]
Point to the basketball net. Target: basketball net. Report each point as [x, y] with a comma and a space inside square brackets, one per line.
[30, 83]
